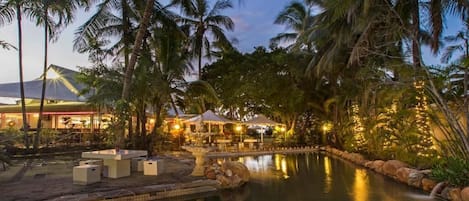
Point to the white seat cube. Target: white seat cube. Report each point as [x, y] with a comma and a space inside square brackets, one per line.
[86, 174]
[152, 167]
[137, 164]
[117, 168]
[93, 162]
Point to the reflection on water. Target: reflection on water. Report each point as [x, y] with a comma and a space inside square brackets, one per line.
[328, 176]
[360, 185]
[306, 177]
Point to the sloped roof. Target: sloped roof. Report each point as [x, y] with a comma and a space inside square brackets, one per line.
[209, 117]
[62, 87]
[261, 120]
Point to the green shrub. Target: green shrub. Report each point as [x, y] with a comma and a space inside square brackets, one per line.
[453, 170]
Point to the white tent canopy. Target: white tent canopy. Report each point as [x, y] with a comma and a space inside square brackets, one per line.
[209, 117]
[61, 84]
[261, 120]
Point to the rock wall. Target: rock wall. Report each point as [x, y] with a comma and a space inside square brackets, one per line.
[230, 174]
[403, 173]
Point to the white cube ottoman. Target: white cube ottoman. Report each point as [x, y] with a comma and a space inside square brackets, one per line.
[137, 164]
[93, 162]
[86, 174]
[117, 168]
[152, 167]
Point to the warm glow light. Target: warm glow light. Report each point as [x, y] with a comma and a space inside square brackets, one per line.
[35, 115]
[328, 173]
[176, 126]
[282, 129]
[52, 74]
[152, 121]
[238, 128]
[360, 187]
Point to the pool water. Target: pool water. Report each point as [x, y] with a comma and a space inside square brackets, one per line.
[314, 176]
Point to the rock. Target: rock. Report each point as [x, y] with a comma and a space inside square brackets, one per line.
[224, 181]
[402, 174]
[455, 194]
[229, 173]
[415, 179]
[237, 168]
[445, 193]
[377, 165]
[356, 158]
[465, 194]
[211, 175]
[368, 164]
[390, 167]
[428, 184]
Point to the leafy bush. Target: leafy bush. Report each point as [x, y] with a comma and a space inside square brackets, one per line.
[453, 170]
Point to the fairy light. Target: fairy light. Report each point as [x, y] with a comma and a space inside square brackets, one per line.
[358, 127]
[425, 147]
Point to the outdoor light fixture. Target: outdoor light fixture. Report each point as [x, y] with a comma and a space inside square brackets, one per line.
[176, 126]
[239, 128]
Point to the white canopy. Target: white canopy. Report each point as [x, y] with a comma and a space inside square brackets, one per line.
[62, 86]
[208, 117]
[261, 120]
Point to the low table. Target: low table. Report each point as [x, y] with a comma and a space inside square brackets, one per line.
[117, 162]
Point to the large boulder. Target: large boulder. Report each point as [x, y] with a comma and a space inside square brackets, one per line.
[455, 194]
[415, 179]
[402, 174]
[390, 167]
[377, 165]
[428, 184]
[356, 158]
[237, 168]
[465, 194]
[368, 164]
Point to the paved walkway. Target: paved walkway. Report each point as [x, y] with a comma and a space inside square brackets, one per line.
[50, 178]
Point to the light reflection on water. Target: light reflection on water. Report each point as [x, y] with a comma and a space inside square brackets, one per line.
[305, 177]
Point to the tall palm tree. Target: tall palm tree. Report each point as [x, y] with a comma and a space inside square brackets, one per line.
[297, 17]
[8, 9]
[144, 24]
[106, 23]
[203, 24]
[53, 15]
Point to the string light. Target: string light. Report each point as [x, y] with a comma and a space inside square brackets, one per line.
[425, 147]
[358, 128]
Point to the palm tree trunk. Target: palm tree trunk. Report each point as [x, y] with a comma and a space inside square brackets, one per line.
[44, 78]
[416, 54]
[200, 63]
[126, 34]
[133, 60]
[20, 61]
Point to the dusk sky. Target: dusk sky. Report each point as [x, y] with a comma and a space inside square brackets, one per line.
[253, 27]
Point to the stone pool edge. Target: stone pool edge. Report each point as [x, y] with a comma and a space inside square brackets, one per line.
[403, 173]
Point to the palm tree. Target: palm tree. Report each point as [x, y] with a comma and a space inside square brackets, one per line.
[8, 9]
[203, 23]
[297, 17]
[44, 12]
[105, 23]
[133, 60]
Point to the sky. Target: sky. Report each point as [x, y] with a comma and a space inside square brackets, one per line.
[253, 27]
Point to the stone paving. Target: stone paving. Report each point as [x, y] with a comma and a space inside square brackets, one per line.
[42, 179]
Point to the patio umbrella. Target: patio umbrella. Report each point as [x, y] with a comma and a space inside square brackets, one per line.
[209, 117]
[263, 121]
